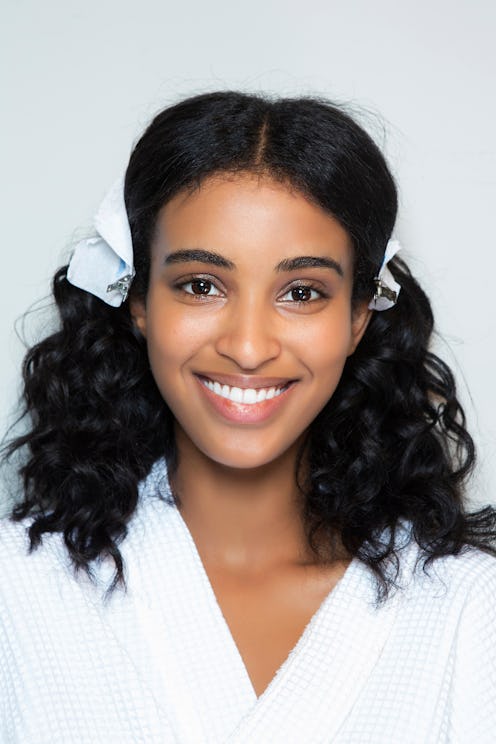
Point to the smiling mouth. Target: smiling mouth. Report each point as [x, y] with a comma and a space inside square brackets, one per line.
[246, 396]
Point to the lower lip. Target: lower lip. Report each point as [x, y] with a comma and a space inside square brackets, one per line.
[243, 413]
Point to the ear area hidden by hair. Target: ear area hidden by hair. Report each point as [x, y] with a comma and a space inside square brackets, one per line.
[361, 316]
[137, 310]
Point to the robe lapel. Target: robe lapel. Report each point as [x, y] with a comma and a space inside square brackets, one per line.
[316, 687]
[183, 646]
[108, 661]
[191, 656]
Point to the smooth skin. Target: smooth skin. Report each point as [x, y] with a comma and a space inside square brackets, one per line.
[246, 315]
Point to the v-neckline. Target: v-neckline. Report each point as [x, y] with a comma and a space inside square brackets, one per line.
[186, 655]
[304, 637]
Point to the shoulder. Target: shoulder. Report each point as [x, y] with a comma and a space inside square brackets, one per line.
[433, 598]
[454, 577]
[15, 542]
[29, 573]
[24, 573]
[475, 569]
[447, 604]
[469, 572]
[153, 491]
[472, 576]
[14, 545]
[449, 600]
[13, 536]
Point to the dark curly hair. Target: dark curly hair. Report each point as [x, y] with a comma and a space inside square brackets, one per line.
[390, 445]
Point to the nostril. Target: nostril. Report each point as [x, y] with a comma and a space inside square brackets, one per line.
[247, 351]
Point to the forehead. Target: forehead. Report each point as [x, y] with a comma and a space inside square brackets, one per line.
[246, 215]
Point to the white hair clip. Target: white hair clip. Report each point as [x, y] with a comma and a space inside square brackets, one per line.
[103, 264]
[386, 288]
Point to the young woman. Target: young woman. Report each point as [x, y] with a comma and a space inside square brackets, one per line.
[243, 516]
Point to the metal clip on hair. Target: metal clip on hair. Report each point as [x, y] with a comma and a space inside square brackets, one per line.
[382, 290]
[122, 285]
[387, 288]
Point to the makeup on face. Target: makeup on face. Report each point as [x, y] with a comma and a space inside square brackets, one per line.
[248, 315]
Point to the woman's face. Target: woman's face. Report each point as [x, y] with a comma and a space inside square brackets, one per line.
[248, 316]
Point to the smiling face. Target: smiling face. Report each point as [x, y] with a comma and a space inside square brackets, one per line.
[248, 316]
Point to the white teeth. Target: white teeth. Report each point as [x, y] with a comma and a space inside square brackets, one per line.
[261, 394]
[245, 395]
[250, 396]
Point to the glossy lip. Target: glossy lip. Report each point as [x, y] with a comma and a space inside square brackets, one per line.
[244, 413]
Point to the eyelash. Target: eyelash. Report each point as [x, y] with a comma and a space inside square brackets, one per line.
[201, 297]
[321, 294]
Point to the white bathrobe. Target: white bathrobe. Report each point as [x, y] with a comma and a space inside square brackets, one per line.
[158, 664]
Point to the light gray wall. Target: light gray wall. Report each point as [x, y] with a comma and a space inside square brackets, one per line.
[80, 80]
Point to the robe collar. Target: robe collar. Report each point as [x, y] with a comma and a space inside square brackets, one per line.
[190, 662]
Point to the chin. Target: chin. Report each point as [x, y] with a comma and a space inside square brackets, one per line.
[235, 450]
[241, 457]
[240, 460]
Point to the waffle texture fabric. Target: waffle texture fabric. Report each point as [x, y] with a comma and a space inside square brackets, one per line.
[158, 664]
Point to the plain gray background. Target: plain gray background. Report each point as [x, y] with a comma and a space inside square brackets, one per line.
[81, 80]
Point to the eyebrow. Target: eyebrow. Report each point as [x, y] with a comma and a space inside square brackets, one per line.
[197, 254]
[306, 262]
[287, 264]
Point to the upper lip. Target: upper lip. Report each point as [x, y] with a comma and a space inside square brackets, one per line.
[246, 381]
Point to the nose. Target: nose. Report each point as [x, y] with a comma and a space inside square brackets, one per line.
[248, 335]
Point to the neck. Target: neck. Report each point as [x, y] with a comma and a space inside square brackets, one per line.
[241, 520]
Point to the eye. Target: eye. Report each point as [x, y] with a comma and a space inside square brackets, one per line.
[302, 293]
[200, 287]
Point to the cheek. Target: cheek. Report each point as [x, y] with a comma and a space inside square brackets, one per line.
[172, 339]
[325, 355]
[325, 346]
[170, 336]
